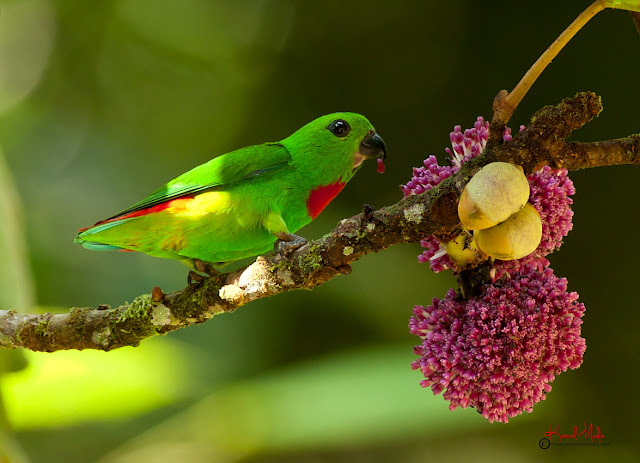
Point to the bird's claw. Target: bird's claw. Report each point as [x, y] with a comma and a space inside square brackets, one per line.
[284, 247]
[205, 267]
[195, 278]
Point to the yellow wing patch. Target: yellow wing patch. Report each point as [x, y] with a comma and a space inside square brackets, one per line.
[206, 203]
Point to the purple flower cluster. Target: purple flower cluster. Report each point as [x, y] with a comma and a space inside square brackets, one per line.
[550, 195]
[500, 351]
[470, 143]
[426, 177]
[550, 192]
[435, 254]
[464, 146]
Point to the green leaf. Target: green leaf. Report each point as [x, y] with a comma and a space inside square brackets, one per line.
[629, 5]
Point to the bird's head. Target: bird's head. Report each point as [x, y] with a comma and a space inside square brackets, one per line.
[335, 146]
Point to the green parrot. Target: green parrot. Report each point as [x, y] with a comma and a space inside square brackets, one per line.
[239, 204]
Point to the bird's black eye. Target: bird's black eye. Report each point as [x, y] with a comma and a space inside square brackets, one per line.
[340, 128]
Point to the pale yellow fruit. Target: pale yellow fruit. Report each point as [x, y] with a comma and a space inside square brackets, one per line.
[462, 250]
[516, 237]
[495, 193]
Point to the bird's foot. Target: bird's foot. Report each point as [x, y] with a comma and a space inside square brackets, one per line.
[287, 243]
[205, 267]
[195, 278]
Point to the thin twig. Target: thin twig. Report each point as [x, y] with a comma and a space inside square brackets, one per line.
[506, 103]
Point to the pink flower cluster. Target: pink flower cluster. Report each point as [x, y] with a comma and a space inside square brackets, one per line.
[466, 145]
[500, 351]
[550, 192]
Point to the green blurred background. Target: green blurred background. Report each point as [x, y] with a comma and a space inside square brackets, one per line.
[103, 101]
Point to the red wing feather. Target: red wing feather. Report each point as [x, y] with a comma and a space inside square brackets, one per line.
[176, 204]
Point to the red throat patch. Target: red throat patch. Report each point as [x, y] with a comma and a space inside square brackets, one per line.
[321, 196]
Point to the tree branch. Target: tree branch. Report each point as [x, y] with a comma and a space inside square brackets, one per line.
[408, 221]
[506, 102]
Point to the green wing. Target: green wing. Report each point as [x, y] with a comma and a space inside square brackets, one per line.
[233, 167]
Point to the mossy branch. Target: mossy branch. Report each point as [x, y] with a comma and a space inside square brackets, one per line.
[407, 221]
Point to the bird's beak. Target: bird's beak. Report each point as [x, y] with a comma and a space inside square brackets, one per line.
[371, 146]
